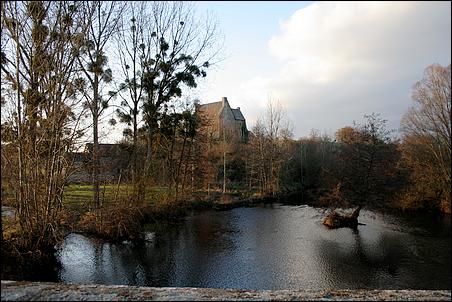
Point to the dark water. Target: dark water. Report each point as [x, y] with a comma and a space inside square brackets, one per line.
[273, 247]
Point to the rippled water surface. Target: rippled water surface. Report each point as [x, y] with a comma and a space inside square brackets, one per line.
[272, 247]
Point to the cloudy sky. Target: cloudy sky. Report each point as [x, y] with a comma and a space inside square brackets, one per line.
[328, 63]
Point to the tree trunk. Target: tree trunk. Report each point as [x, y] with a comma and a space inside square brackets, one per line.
[134, 152]
[171, 163]
[135, 112]
[186, 165]
[20, 198]
[224, 172]
[147, 167]
[95, 112]
[176, 182]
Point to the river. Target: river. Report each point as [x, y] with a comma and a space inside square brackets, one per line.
[271, 247]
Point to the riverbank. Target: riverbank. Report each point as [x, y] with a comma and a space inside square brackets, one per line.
[151, 220]
[264, 247]
[295, 198]
[103, 223]
[40, 291]
[114, 223]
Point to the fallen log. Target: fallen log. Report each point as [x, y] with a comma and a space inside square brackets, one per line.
[336, 220]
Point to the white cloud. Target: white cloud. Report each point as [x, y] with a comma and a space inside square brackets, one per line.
[342, 60]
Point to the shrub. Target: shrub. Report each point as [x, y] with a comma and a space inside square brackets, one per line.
[118, 221]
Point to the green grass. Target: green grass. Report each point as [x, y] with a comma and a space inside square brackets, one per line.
[80, 196]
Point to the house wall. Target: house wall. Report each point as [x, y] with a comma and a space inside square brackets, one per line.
[227, 122]
[241, 131]
[214, 125]
[219, 118]
[112, 162]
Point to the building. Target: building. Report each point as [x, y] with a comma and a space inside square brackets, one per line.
[113, 160]
[222, 121]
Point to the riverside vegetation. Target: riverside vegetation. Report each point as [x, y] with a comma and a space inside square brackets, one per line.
[57, 84]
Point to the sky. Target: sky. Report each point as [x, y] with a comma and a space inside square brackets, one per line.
[328, 63]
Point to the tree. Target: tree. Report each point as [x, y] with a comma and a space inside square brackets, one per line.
[269, 135]
[175, 136]
[133, 43]
[366, 172]
[318, 160]
[38, 63]
[367, 156]
[427, 135]
[206, 150]
[103, 18]
[182, 49]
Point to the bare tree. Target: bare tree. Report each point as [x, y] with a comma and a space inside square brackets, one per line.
[363, 160]
[38, 62]
[270, 134]
[258, 162]
[102, 18]
[133, 41]
[428, 125]
[204, 148]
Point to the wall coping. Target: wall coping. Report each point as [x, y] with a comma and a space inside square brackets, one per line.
[46, 291]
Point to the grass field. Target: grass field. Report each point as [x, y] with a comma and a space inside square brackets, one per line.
[80, 196]
[77, 199]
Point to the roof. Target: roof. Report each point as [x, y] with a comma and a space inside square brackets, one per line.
[238, 114]
[211, 108]
[76, 156]
[104, 149]
[212, 105]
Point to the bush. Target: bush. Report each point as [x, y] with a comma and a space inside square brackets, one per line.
[118, 221]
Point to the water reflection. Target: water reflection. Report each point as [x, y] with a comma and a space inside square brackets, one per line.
[89, 261]
[355, 263]
[279, 247]
[384, 256]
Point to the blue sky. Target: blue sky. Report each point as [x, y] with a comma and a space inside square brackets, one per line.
[328, 63]
[247, 27]
[250, 22]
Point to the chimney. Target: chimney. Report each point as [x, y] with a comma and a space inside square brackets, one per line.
[238, 108]
[224, 100]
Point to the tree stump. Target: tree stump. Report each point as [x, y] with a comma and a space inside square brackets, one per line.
[336, 220]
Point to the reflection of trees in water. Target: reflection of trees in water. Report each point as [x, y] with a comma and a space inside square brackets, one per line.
[423, 224]
[198, 249]
[132, 263]
[361, 266]
[209, 231]
[149, 264]
[408, 251]
[260, 248]
[44, 269]
[181, 256]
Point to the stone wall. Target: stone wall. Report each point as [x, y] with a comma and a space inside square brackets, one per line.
[227, 119]
[40, 291]
[219, 116]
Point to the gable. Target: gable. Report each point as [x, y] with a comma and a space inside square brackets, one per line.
[211, 109]
[222, 116]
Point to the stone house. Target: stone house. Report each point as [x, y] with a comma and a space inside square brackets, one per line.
[220, 119]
